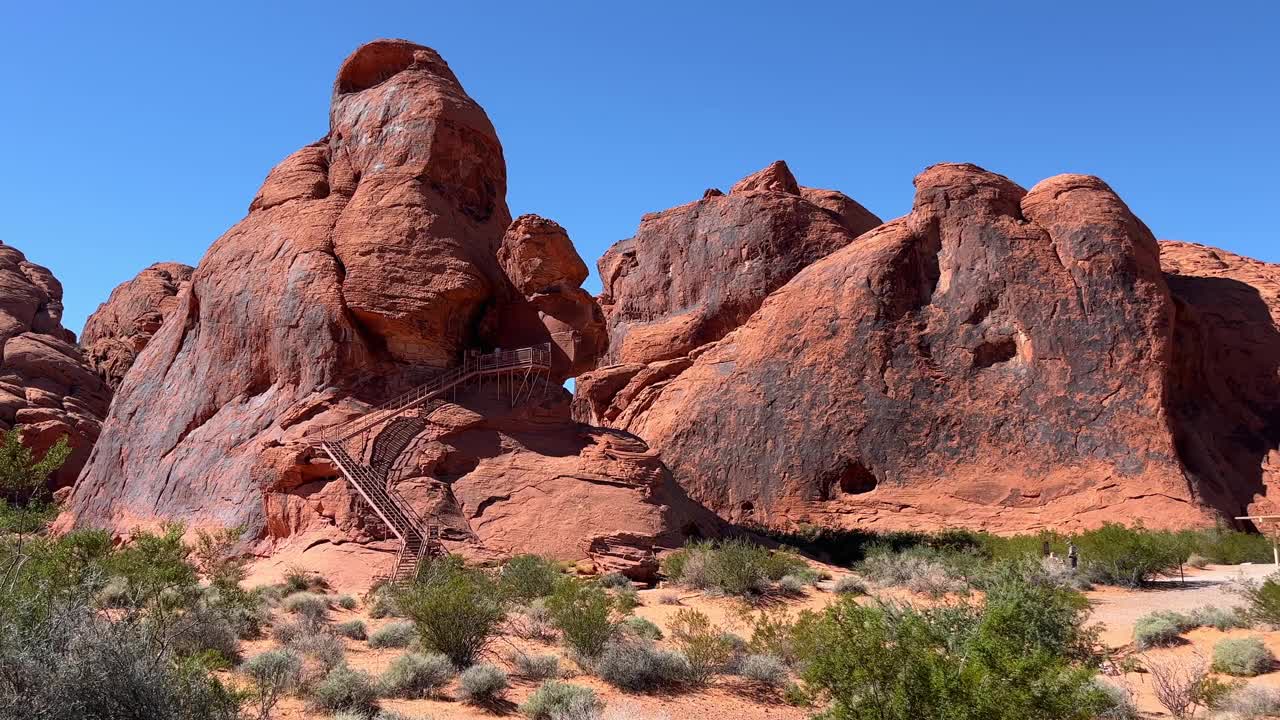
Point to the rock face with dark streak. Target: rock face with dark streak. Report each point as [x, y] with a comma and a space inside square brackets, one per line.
[46, 386]
[123, 325]
[997, 358]
[367, 260]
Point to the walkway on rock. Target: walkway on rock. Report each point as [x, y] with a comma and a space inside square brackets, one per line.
[521, 370]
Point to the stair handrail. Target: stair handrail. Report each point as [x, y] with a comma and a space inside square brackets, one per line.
[536, 356]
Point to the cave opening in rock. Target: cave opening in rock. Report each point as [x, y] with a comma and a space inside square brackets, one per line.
[853, 478]
[991, 352]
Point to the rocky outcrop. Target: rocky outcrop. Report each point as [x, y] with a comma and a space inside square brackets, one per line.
[369, 260]
[46, 386]
[998, 358]
[694, 273]
[123, 325]
[1224, 393]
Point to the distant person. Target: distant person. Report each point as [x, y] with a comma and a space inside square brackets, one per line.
[1073, 555]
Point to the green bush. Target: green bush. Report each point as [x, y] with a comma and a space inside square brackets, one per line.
[415, 676]
[534, 622]
[297, 579]
[311, 607]
[583, 612]
[922, 570]
[642, 628]
[616, 581]
[536, 667]
[393, 635]
[1129, 556]
[380, 602]
[733, 567]
[353, 629]
[1117, 703]
[638, 666]
[792, 585]
[1159, 629]
[707, 647]
[765, 670]
[527, 577]
[555, 700]
[457, 610]
[275, 673]
[1263, 599]
[1242, 657]
[482, 684]
[1250, 702]
[345, 689]
[1220, 618]
[347, 602]
[851, 585]
[1021, 656]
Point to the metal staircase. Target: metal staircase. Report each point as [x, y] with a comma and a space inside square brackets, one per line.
[388, 429]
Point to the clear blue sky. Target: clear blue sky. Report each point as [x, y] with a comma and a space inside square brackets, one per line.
[136, 133]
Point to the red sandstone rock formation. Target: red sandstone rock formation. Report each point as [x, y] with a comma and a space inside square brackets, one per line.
[997, 358]
[126, 322]
[46, 387]
[367, 259]
[694, 273]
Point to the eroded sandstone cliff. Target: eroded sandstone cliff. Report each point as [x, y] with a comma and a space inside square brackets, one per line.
[46, 385]
[998, 358]
[368, 260]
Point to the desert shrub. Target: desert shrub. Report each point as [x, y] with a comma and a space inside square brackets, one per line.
[734, 567]
[642, 628]
[344, 689]
[1118, 702]
[764, 670]
[380, 602]
[457, 609]
[1250, 703]
[393, 635]
[297, 579]
[616, 581]
[1242, 657]
[346, 602]
[527, 577]
[1220, 618]
[533, 622]
[353, 629]
[66, 662]
[286, 633]
[202, 630]
[275, 673]
[637, 665]
[851, 585]
[921, 570]
[1010, 659]
[706, 646]
[1058, 572]
[555, 700]
[1157, 629]
[779, 634]
[668, 598]
[482, 684]
[626, 600]
[1178, 683]
[792, 585]
[309, 606]
[583, 613]
[536, 667]
[1128, 556]
[1196, 560]
[1224, 546]
[414, 675]
[1263, 599]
